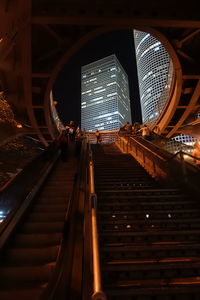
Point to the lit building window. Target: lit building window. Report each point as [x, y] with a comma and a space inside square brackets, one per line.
[154, 74]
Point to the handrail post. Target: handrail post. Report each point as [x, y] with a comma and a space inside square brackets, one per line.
[183, 165]
[92, 190]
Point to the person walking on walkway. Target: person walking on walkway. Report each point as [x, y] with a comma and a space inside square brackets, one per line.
[196, 153]
[135, 128]
[146, 132]
[98, 136]
[63, 145]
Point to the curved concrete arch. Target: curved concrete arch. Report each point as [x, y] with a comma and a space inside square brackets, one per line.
[96, 32]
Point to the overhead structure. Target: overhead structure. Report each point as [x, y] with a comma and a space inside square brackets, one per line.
[38, 37]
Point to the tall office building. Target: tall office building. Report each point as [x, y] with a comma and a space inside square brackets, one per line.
[154, 74]
[105, 102]
[155, 71]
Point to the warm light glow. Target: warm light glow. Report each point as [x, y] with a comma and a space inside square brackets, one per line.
[19, 125]
[6, 113]
[1, 40]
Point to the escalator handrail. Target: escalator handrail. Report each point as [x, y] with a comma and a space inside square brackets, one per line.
[98, 293]
[60, 285]
[10, 222]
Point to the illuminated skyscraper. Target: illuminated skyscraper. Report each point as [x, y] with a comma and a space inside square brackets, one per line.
[105, 102]
[154, 74]
[155, 71]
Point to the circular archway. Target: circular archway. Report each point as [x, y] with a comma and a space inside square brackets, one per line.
[83, 41]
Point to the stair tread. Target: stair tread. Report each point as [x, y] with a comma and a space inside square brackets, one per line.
[140, 261]
[149, 210]
[126, 221]
[156, 232]
[157, 282]
[115, 247]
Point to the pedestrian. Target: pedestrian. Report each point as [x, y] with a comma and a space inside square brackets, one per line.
[98, 136]
[63, 145]
[146, 132]
[135, 128]
[128, 127]
[196, 153]
[156, 129]
[78, 139]
[72, 130]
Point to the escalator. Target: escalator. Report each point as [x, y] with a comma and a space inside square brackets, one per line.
[149, 234]
[28, 259]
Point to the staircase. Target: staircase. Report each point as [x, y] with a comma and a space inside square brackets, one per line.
[28, 261]
[149, 235]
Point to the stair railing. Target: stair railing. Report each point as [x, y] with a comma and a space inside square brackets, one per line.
[181, 154]
[98, 294]
[161, 164]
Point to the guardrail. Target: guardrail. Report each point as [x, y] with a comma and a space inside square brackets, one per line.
[98, 294]
[107, 137]
[159, 163]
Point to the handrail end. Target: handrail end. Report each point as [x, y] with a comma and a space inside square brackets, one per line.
[100, 295]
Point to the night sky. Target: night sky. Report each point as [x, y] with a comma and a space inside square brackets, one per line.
[67, 88]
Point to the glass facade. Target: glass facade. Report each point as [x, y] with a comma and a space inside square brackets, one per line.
[154, 74]
[105, 101]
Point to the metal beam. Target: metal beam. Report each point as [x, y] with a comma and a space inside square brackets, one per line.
[41, 75]
[189, 36]
[53, 33]
[186, 56]
[114, 20]
[189, 109]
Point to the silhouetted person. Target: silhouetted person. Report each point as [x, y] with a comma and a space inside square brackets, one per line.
[71, 130]
[146, 133]
[196, 153]
[98, 136]
[128, 127]
[63, 144]
[135, 128]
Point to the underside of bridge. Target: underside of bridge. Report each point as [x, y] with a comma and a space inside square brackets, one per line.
[38, 37]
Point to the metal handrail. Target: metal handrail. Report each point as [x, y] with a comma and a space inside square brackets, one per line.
[162, 160]
[98, 294]
[149, 150]
[181, 152]
[106, 136]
